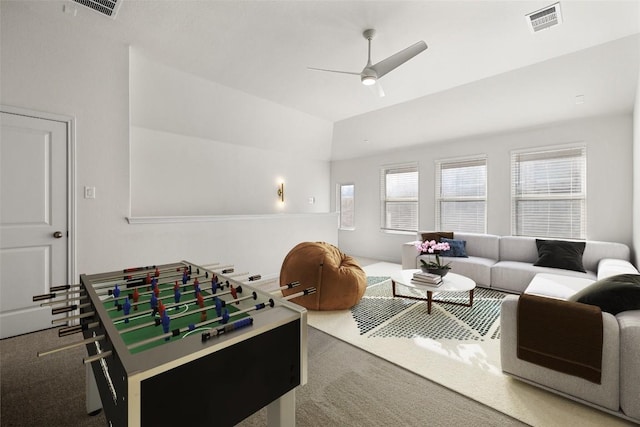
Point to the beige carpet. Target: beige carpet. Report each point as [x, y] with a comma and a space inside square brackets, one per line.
[466, 359]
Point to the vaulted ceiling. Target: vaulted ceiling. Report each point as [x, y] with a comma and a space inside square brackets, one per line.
[484, 70]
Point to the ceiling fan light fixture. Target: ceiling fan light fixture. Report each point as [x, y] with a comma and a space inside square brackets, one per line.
[368, 80]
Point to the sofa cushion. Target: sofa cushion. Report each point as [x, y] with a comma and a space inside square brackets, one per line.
[560, 254]
[515, 276]
[614, 294]
[557, 286]
[457, 248]
[475, 268]
[480, 245]
[612, 267]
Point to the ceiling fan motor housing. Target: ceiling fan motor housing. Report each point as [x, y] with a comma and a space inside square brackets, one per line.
[368, 77]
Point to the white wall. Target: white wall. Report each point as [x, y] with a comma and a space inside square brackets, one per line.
[221, 150]
[49, 64]
[609, 181]
[636, 176]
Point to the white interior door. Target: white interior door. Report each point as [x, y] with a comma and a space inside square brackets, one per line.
[33, 211]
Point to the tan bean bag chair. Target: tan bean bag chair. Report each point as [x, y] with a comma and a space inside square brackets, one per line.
[338, 279]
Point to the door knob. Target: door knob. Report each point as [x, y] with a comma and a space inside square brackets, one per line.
[57, 234]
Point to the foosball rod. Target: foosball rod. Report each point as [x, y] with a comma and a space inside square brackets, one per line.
[77, 316]
[63, 287]
[308, 291]
[97, 357]
[69, 330]
[52, 295]
[64, 301]
[107, 288]
[177, 332]
[290, 285]
[142, 273]
[68, 308]
[188, 313]
[140, 281]
[71, 345]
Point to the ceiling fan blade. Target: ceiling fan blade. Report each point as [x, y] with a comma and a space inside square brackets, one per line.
[377, 89]
[399, 58]
[333, 71]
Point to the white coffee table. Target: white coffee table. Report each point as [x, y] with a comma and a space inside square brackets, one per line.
[450, 283]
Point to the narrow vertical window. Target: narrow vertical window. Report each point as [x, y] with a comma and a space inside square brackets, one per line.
[461, 195]
[347, 207]
[399, 198]
[548, 193]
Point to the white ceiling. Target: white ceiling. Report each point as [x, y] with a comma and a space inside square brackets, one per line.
[483, 63]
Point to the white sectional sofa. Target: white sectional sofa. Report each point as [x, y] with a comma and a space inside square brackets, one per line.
[619, 390]
[506, 262]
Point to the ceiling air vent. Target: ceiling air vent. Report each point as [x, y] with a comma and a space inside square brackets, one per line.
[544, 18]
[104, 7]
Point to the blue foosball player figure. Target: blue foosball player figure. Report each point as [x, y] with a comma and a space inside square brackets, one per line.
[126, 307]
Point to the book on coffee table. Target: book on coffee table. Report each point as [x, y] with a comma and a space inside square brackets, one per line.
[427, 279]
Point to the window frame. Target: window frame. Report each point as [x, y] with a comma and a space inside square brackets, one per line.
[547, 153]
[460, 162]
[385, 200]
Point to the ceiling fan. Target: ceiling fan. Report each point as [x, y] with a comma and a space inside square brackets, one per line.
[371, 73]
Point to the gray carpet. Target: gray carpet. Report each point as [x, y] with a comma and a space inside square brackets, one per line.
[347, 387]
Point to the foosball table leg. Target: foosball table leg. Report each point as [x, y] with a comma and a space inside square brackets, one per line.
[282, 411]
[94, 404]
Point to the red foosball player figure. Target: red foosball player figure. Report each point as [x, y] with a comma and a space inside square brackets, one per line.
[203, 316]
[200, 300]
[157, 272]
[234, 293]
[161, 308]
[136, 297]
[156, 291]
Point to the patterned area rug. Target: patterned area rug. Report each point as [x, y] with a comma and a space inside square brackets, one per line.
[379, 314]
[455, 346]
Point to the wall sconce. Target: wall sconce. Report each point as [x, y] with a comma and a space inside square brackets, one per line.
[281, 192]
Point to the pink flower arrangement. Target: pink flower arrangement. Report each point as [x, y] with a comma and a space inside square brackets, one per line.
[433, 247]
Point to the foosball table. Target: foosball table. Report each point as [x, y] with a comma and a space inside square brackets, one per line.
[181, 344]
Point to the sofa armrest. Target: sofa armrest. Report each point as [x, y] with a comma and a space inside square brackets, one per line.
[629, 322]
[409, 255]
[608, 267]
[606, 394]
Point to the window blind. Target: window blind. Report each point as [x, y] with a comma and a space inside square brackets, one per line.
[399, 198]
[549, 193]
[461, 195]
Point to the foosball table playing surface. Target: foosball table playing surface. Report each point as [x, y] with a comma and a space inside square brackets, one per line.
[180, 344]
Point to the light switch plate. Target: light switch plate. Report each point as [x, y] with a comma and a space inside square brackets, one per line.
[89, 192]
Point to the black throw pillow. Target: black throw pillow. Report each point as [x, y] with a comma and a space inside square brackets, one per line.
[613, 294]
[560, 254]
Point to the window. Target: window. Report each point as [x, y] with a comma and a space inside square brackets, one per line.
[399, 196]
[461, 195]
[347, 207]
[548, 193]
